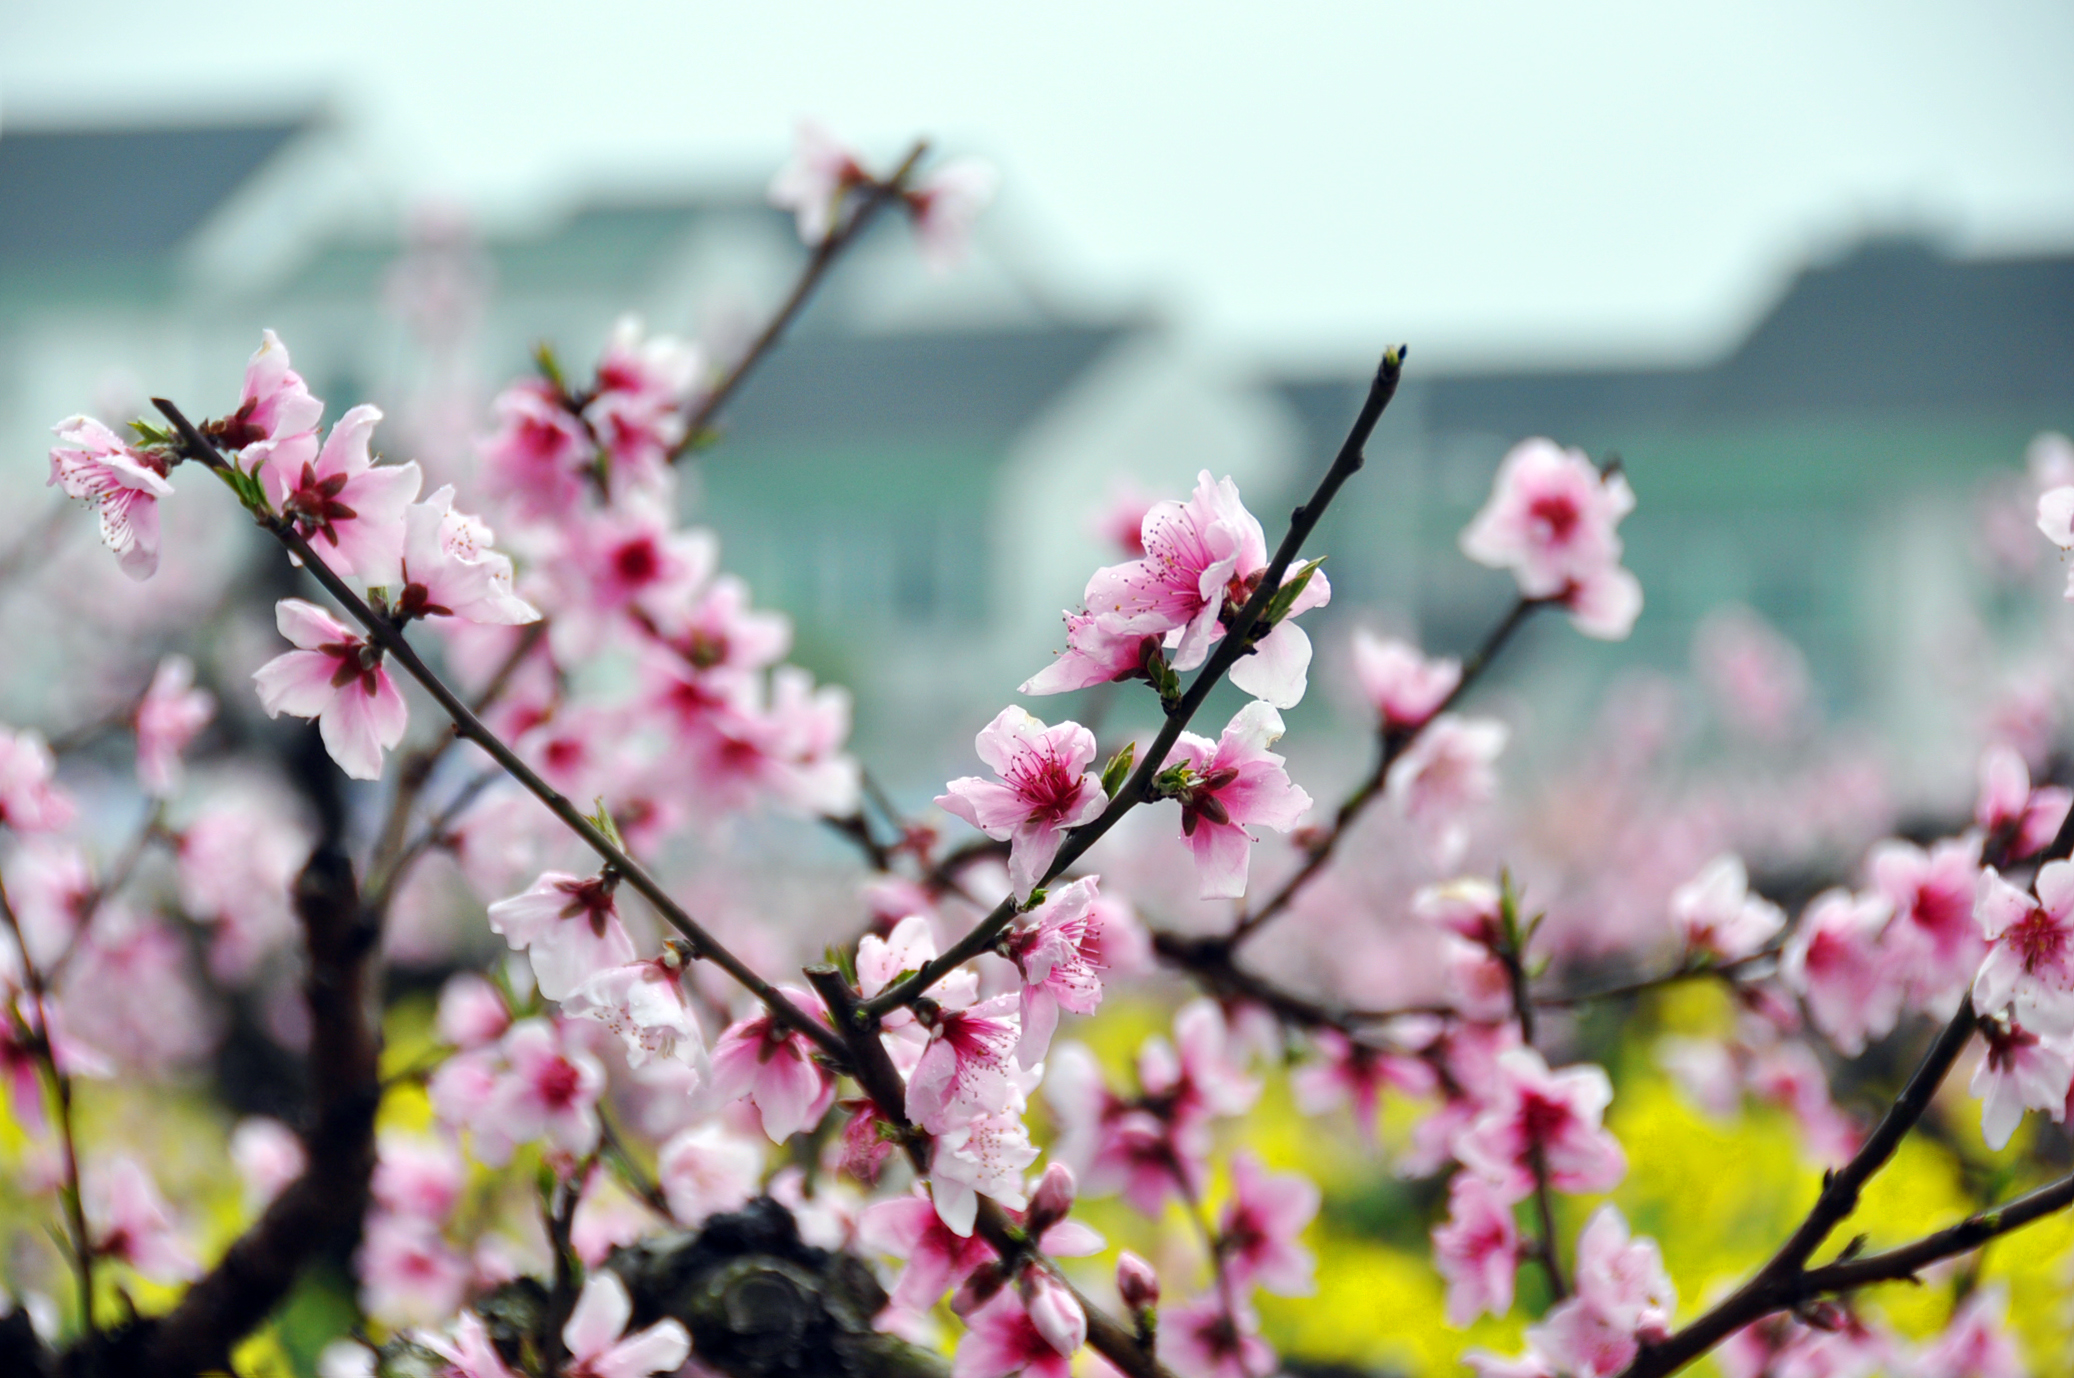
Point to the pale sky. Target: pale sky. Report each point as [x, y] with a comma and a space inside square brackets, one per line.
[1288, 182]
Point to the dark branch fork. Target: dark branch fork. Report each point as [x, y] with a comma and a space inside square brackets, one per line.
[385, 634]
[856, 1052]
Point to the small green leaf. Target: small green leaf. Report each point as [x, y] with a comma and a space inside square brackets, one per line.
[600, 817]
[1286, 596]
[550, 367]
[153, 435]
[1118, 769]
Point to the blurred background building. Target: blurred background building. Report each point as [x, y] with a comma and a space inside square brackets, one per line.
[913, 476]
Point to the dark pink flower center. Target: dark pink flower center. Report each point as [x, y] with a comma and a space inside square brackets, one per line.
[558, 1082]
[1542, 1119]
[592, 899]
[1556, 515]
[637, 562]
[2038, 940]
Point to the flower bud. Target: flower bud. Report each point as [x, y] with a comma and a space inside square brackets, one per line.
[1052, 1201]
[1054, 1311]
[1136, 1282]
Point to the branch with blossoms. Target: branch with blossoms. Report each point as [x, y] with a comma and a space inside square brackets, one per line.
[623, 688]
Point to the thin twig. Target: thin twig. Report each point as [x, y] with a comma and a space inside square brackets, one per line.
[1392, 746]
[872, 198]
[59, 1083]
[1236, 643]
[467, 725]
[1511, 952]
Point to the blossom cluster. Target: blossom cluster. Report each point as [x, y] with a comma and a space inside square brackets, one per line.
[601, 1069]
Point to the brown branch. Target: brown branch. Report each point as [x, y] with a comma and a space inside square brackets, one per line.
[873, 197]
[320, 1211]
[1780, 1282]
[385, 634]
[1393, 745]
[873, 1068]
[1896, 1265]
[1238, 639]
[1512, 952]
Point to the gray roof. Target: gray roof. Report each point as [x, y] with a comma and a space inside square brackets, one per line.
[69, 196]
[978, 386]
[1895, 327]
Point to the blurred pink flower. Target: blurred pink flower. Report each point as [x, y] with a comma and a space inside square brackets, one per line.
[1403, 686]
[1477, 1250]
[170, 715]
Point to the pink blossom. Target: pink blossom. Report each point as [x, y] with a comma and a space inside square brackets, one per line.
[2056, 520]
[1053, 947]
[349, 509]
[171, 713]
[1053, 1309]
[129, 1221]
[540, 452]
[1719, 917]
[812, 185]
[1121, 522]
[1624, 1299]
[2030, 963]
[788, 753]
[471, 1011]
[706, 1170]
[1470, 907]
[1550, 520]
[1443, 775]
[1789, 1075]
[409, 1273]
[449, 570]
[908, 948]
[275, 410]
[982, 1156]
[2021, 820]
[1003, 1338]
[1402, 685]
[944, 204]
[1477, 1250]
[338, 679]
[417, 1176]
[635, 412]
[630, 557]
[1205, 1080]
[1834, 963]
[765, 1059]
[1757, 678]
[568, 926]
[965, 1069]
[938, 1259]
[644, 1002]
[538, 1088]
[1205, 1339]
[29, 801]
[238, 863]
[1227, 784]
[1045, 789]
[597, 1340]
[720, 631]
[1095, 654]
[91, 463]
[1976, 1343]
[2020, 1071]
[1932, 944]
[1262, 1221]
[1136, 1282]
[1479, 985]
[1350, 1073]
[470, 1352]
[268, 1156]
[1560, 1113]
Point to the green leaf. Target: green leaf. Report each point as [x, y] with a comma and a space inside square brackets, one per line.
[1118, 769]
[550, 367]
[153, 435]
[600, 817]
[1286, 596]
